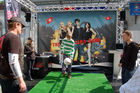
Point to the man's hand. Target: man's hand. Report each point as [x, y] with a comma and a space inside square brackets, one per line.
[22, 84]
[120, 64]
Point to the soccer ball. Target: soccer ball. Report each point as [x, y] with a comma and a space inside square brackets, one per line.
[67, 61]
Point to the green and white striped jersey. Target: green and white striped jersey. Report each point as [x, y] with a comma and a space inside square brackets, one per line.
[67, 47]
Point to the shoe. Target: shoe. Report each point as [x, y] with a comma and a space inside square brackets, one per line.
[69, 76]
[64, 74]
[30, 79]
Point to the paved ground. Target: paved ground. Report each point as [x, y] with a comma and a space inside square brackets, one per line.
[116, 85]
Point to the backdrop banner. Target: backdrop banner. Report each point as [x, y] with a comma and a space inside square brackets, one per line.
[102, 22]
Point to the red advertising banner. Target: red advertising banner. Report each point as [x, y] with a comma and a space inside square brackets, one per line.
[12, 8]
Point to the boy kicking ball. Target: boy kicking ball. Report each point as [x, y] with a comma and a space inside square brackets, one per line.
[67, 49]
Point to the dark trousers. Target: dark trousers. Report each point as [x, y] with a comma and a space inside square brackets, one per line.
[127, 74]
[80, 48]
[10, 86]
[30, 64]
[64, 67]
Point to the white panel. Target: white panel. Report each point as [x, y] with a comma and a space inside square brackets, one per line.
[134, 26]
[2, 21]
[138, 20]
[135, 36]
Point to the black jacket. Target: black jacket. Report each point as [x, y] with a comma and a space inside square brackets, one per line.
[129, 57]
[78, 34]
[29, 53]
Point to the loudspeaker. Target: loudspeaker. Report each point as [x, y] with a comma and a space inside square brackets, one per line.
[28, 17]
[122, 15]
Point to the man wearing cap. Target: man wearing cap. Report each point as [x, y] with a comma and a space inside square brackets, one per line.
[11, 79]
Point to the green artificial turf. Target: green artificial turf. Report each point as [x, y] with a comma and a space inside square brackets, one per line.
[54, 82]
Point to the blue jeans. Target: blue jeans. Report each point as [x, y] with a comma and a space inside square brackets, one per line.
[127, 74]
[30, 64]
[64, 67]
[10, 86]
[80, 51]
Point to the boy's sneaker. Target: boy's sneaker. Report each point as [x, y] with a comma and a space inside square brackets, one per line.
[64, 74]
[69, 76]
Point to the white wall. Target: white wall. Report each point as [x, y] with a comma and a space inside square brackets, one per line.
[2, 21]
[134, 26]
[26, 30]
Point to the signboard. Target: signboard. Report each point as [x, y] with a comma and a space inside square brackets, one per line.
[134, 8]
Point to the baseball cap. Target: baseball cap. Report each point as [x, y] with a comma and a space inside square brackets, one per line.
[16, 19]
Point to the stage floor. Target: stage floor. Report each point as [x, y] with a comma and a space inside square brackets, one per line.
[54, 82]
[101, 64]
